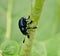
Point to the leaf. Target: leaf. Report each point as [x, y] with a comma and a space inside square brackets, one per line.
[9, 48]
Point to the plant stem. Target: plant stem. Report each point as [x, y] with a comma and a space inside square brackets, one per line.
[9, 12]
[35, 14]
[58, 2]
[0, 53]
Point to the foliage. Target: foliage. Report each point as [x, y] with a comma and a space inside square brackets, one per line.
[47, 38]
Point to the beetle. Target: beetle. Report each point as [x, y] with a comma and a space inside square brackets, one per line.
[23, 25]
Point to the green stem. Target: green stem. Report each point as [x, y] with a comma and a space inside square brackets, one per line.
[9, 12]
[58, 2]
[0, 53]
[35, 14]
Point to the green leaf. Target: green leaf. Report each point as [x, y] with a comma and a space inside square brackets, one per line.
[9, 48]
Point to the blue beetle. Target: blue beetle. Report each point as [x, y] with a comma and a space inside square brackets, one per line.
[23, 25]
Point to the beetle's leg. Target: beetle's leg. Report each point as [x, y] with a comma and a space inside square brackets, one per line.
[32, 27]
[28, 36]
[28, 17]
[30, 22]
[24, 40]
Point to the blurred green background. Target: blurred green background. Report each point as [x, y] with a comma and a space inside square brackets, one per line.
[47, 38]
